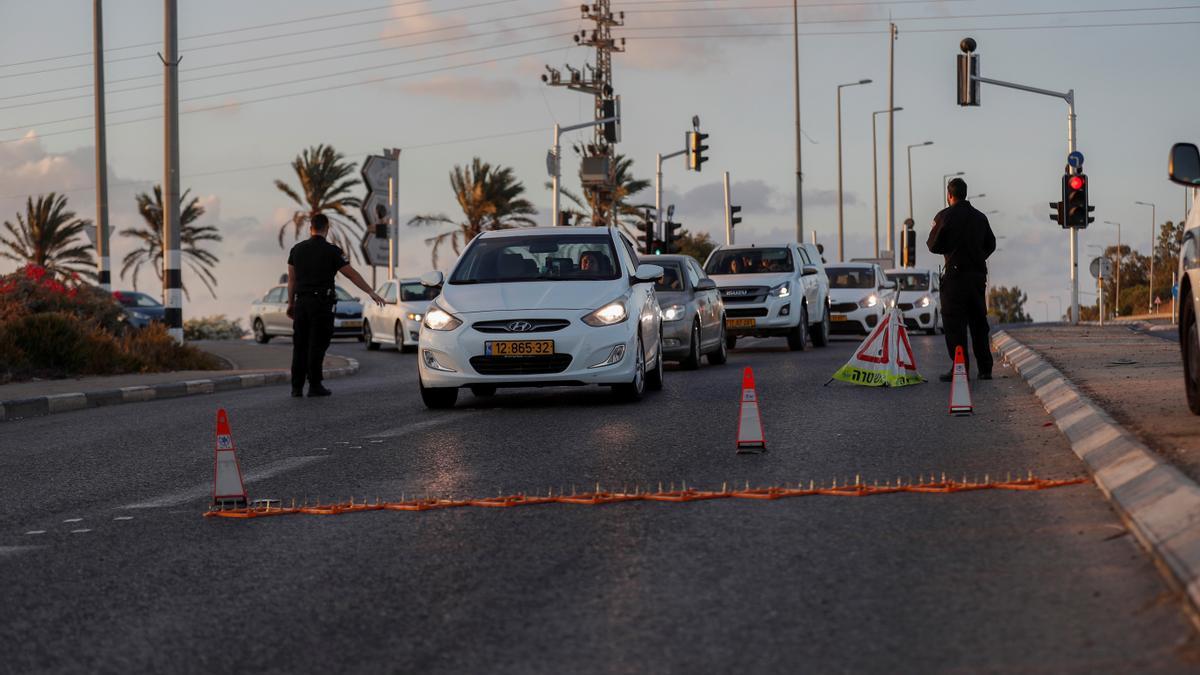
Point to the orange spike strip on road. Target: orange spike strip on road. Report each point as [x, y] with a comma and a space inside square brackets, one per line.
[687, 494]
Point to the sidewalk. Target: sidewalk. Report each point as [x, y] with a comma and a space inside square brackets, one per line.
[248, 365]
[1137, 378]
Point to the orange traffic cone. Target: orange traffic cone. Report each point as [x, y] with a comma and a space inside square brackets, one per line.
[750, 431]
[228, 490]
[960, 391]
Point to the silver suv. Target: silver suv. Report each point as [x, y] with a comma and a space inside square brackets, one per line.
[773, 290]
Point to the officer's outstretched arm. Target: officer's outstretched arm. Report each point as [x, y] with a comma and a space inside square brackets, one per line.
[353, 275]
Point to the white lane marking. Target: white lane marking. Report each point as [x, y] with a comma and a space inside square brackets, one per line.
[356, 447]
[81, 531]
[417, 426]
[14, 550]
[73, 520]
[123, 518]
[200, 491]
[376, 441]
[36, 532]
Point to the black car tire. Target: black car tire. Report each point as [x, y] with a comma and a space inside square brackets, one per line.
[438, 398]
[692, 361]
[635, 389]
[654, 378]
[798, 336]
[483, 390]
[730, 341]
[372, 345]
[820, 337]
[1189, 335]
[721, 354]
[260, 332]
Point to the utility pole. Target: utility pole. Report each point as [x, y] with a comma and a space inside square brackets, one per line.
[875, 172]
[172, 273]
[597, 81]
[891, 210]
[104, 276]
[1153, 248]
[796, 89]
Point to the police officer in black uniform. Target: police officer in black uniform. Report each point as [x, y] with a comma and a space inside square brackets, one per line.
[963, 235]
[312, 266]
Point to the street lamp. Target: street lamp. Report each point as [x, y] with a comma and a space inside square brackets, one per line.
[946, 184]
[841, 240]
[875, 171]
[1117, 302]
[910, 199]
[1153, 218]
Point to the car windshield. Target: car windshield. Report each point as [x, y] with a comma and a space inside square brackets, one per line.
[750, 261]
[545, 257]
[850, 277]
[136, 299]
[672, 278]
[911, 282]
[417, 292]
[342, 296]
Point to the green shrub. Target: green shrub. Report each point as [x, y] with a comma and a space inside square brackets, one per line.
[52, 343]
[31, 290]
[156, 351]
[213, 328]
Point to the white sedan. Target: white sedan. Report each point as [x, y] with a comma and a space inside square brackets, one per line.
[859, 296]
[536, 307]
[398, 321]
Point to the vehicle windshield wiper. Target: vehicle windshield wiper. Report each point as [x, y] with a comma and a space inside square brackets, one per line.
[457, 282]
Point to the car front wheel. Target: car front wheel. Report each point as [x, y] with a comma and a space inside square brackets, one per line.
[636, 388]
[260, 332]
[1190, 345]
[654, 378]
[797, 336]
[820, 336]
[692, 361]
[372, 345]
[721, 354]
[438, 398]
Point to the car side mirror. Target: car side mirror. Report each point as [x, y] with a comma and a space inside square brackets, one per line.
[648, 274]
[809, 270]
[1184, 164]
[706, 285]
[432, 279]
[888, 284]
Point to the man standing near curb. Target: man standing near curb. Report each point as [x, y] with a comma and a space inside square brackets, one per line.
[312, 266]
[963, 235]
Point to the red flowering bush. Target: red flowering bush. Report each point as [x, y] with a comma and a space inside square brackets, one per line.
[32, 291]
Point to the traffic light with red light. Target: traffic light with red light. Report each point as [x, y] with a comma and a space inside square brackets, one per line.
[1075, 200]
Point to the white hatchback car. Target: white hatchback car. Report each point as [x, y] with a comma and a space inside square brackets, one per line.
[859, 296]
[919, 296]
[398, 321]
[536, 307]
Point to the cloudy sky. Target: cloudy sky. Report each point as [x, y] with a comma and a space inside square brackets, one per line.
[447, 80]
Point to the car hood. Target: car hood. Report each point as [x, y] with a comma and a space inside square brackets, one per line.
[911, 296]
[768, 280]
[472, 298]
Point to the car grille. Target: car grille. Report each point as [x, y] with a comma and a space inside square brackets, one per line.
[744, 294]
[844, 307]
[536, 325]
[521, 365]
[905, 306]
[347, 315]
[746, 312]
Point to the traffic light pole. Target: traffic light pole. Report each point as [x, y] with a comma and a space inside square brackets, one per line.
[658, 215]
[728, 215]
[1069, 97]
[556, 174]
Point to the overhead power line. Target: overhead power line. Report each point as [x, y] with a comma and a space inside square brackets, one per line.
[692, 36]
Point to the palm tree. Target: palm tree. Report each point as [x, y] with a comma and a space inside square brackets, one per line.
[490, 198]
[323, 172]
[628, 213]
[46, 235]
[192, 239]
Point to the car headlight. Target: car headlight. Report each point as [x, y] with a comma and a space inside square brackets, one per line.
[612, 313]
[439, 319]
[782, 290]
[869, 301]
[925, 300]
[673, 312]
[413, 316]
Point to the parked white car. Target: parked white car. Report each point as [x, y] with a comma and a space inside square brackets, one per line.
[772, 290]
[859, 296]
[919, 296]
[1184, 169]
[535, 307]
[268, 315]
[398, 321]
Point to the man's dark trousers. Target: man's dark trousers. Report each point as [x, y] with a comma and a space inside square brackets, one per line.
[964, 308]
[312, 329]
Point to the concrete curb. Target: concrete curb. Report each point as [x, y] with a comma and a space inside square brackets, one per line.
[1159, 504]
[58, 403]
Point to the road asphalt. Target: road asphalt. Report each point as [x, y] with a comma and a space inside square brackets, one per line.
[108, 564]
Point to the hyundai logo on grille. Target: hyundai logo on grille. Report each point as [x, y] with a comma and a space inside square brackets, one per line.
[519, 326]
[738, 291]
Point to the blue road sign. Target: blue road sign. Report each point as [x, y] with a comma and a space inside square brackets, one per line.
[1075, 160]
